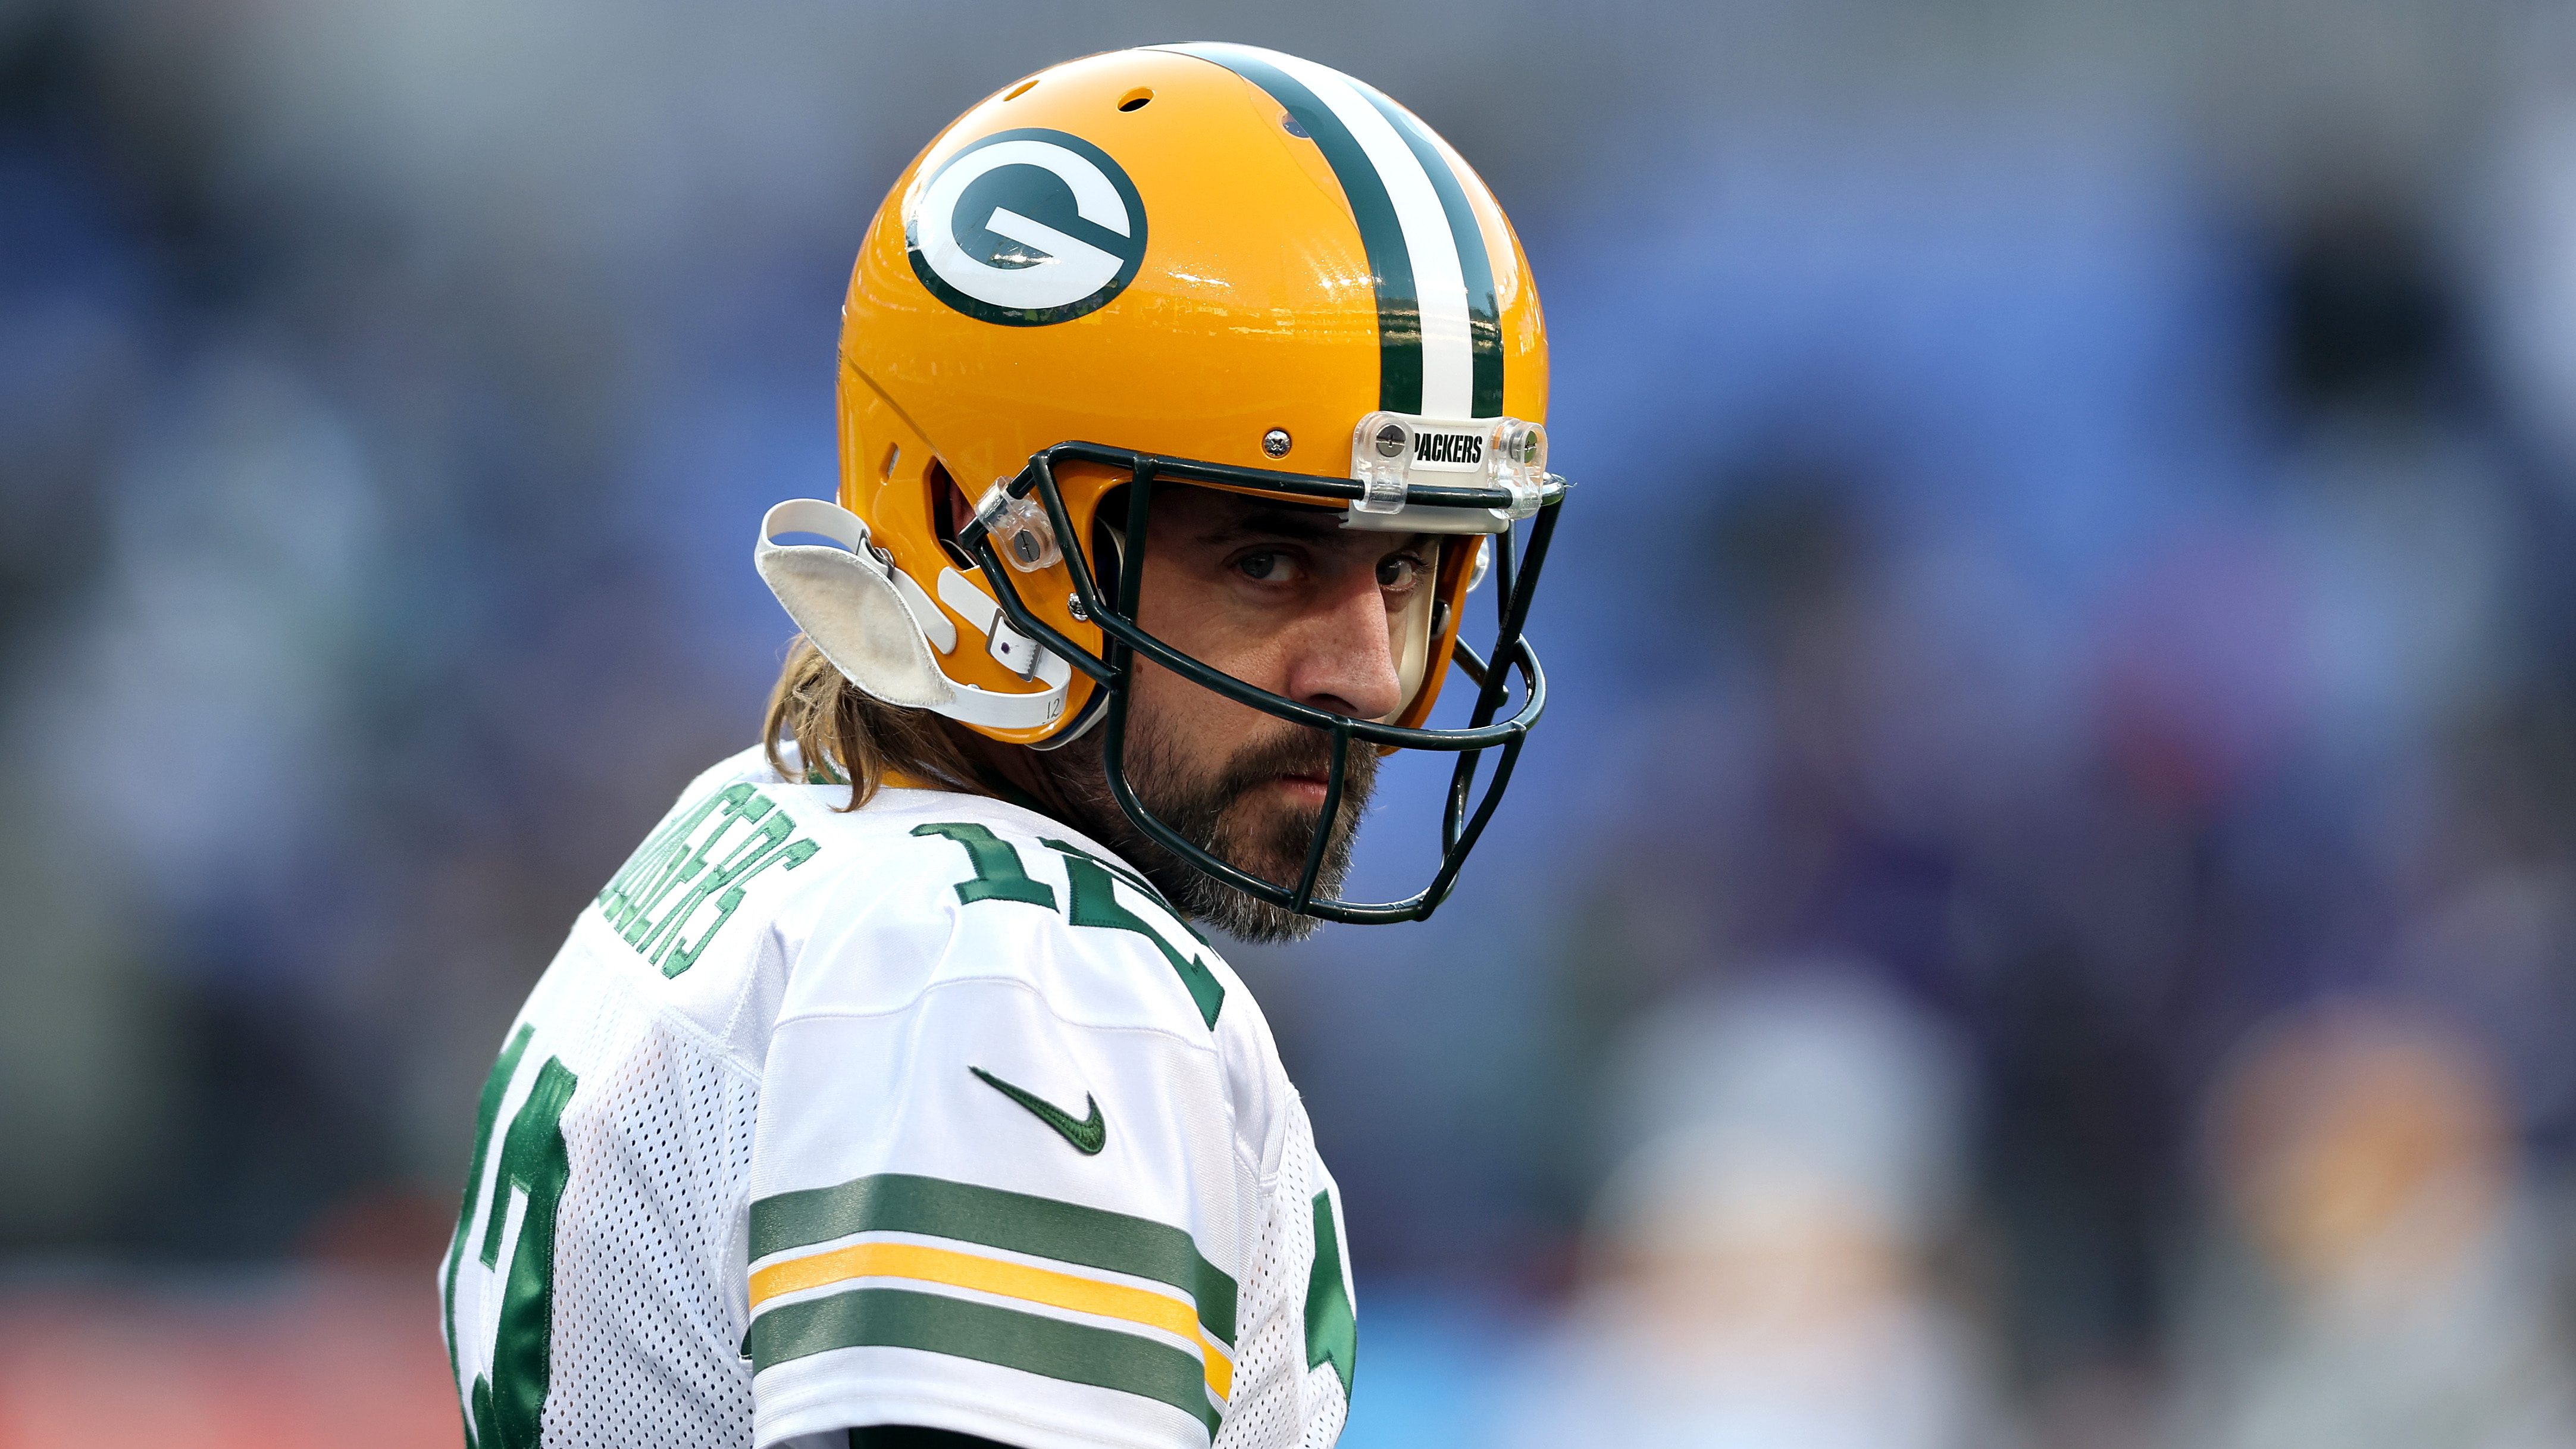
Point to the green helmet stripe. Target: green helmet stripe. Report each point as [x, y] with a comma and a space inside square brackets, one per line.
[1399, 308]
[1484, 312]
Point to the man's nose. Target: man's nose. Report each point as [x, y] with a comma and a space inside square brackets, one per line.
[1343, 659]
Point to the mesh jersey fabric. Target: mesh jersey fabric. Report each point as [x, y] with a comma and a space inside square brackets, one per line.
[930, 1112]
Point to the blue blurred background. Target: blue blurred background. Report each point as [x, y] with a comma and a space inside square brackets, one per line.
[2043, 912]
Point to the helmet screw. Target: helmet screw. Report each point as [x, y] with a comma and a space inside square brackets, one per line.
[1073, 606]
[1276, 442]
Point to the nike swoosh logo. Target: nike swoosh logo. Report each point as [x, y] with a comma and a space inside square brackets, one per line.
[1088, 1135]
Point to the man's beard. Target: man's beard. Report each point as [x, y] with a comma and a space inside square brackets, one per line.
[1259, 838]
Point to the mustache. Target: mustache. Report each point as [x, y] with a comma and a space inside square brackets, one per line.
[1301, 751]
[1200, 806]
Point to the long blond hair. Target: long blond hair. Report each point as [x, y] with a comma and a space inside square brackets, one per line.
[844, 736]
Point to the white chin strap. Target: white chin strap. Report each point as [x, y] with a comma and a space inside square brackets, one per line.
[879, 628]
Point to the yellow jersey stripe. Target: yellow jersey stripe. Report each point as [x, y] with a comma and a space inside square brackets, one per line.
[1008, 1280]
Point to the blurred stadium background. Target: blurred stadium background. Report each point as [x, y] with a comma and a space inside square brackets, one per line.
[2044, 912]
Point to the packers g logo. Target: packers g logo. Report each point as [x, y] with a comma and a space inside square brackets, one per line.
[1026, 228]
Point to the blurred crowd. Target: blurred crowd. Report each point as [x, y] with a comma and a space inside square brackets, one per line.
[2044, 910]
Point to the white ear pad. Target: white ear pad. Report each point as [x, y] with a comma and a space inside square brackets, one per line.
[878, 627]
[847, 603]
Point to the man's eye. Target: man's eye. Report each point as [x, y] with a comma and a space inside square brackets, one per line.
[1399, 573]
[1265, 566]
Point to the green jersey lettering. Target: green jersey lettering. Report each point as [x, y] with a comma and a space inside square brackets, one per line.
[999, 875]
[1095, 903]
[671, 859]
[505, 1408]
[1332, 1331]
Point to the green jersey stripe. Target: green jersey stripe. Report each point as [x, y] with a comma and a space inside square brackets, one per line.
[895, 1202]
[897, 1318]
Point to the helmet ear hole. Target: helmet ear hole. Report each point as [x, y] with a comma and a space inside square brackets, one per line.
[1109, 540]
[949, 509]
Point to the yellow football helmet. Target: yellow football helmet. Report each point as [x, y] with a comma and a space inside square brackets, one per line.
[1202, 264]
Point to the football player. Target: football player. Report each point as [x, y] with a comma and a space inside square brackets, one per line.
[890, 1093]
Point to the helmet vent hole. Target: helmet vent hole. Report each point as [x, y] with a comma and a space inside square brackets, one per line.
[1135, 100]
[893, 455]
[1293, 126]
[1020, 90]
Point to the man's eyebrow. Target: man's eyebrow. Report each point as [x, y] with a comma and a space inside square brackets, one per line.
[1304, 524]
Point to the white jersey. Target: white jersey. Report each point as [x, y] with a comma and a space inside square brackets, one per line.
[929, 1113]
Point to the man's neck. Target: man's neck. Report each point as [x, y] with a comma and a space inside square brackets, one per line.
[1015, 773]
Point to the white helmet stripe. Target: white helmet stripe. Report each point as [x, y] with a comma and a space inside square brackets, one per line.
[1433, 297]
[1451, 177]
[1440, 283]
